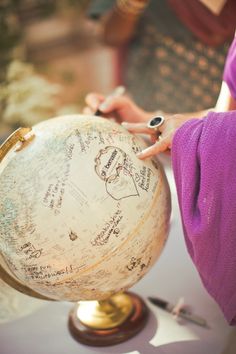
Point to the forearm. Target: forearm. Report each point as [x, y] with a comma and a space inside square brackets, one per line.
[225, 102]
[187, 115]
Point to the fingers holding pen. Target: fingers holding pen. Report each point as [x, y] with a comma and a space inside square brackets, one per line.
[121, 108]
[160, 130]
[106, 105]
[93, 100]
[101, 105]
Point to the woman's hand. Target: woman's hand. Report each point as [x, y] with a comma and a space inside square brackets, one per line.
[162, 138]
[135, 119]
[120, 108]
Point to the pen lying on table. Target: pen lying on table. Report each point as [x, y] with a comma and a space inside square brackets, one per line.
[183, 313]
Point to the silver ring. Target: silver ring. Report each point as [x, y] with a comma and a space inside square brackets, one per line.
[156, 122]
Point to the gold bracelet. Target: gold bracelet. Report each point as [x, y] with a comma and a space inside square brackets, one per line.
[131, 7]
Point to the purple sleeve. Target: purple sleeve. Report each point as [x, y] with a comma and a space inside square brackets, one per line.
[229, 75]
[204, 160]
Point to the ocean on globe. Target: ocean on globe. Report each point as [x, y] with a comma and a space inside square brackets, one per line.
[81, 217]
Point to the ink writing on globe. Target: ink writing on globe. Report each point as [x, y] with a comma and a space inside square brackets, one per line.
[81, 217]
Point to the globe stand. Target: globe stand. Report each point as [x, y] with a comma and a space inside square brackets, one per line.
[108, 322]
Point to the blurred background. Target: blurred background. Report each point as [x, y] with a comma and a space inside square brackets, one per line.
[52, 53]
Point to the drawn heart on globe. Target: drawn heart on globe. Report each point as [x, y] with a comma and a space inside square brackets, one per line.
[122, 185]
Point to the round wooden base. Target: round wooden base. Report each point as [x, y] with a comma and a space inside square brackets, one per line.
[105, 337]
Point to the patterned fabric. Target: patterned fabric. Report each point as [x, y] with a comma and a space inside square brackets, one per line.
[167, 68]
[204, 158]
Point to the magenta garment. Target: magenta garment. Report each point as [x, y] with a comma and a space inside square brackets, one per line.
[229, 75]
[204, 164]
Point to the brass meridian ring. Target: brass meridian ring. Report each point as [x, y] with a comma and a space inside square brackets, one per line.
[17, 136]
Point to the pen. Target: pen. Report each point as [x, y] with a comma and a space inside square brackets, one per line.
[181, 313]
[119, 91]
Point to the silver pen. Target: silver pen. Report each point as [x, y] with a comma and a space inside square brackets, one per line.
[119, 91]
[181, 313]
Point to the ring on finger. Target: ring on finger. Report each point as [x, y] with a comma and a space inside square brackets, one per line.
[155, 123]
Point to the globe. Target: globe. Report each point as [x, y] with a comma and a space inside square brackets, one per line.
[81, 217]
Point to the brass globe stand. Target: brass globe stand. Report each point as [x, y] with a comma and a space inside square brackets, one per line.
[108, 322]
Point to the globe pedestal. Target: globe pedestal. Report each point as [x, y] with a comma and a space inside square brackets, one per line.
[108, 322]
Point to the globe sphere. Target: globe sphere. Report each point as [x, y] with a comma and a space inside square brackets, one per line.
[81, 217]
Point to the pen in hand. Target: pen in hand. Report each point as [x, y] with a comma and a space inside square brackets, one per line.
[119, 91]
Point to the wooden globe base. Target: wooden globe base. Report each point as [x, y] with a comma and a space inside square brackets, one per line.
[110, 336]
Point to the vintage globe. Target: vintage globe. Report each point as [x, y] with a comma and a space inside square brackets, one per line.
[81, 217]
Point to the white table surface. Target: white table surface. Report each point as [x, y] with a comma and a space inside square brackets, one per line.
[44, 330]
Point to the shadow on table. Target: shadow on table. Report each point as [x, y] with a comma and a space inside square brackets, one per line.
[141, 343]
